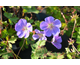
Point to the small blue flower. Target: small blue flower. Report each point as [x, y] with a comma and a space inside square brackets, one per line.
[39, 35]
[23, 28]
[50, 26]
[56, 41]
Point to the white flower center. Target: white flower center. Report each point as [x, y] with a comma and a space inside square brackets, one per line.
[50, 26]
[24, 28]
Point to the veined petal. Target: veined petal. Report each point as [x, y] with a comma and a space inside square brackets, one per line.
[58, 38]
[43, 25]
[29, 27]
[35, 36]
[57, 23]
[20, 34]
[48, 32]
[55, 31]
[37, 31]
[26, 34]
[49, 19]
[22, 22]
[18, 27]
[57, 45]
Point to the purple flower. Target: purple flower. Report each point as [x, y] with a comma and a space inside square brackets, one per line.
[39, 34]
[23, 28]
[56, 41]
[50, 26]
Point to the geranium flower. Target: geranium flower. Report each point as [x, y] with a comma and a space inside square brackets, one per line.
[50, 26]
[23, 28]
[39, 35]
[56, 41]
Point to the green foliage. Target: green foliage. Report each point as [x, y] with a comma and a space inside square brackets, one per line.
[69, 56]
[7, 55]
[54, 55]
[12, 39]
[11, 19]
[8, 15]
[4, 33]
[30, 9]
[11, 31]
[78, 36]
[77, 8]
[39, 53]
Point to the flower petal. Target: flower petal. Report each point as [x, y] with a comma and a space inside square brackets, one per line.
[37, 31]
[57, 23]
[43, 25]
[55, 31]
[48, 32]
[22, 22]
[57, 45]
[43, 38]
[49, 19]
[26, 34]
[58, 38]
[18, 27]
[29, 27]
[35, 36]
[20, 34]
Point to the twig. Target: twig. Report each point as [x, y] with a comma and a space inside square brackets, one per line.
[21, 47]
[4, 53]
[73, 28]
[76, 49]
[64, 17]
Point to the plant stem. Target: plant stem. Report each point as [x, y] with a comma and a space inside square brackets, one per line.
[21, 47]
[76, 49]
[72, 35]
[14, 54]
[73, 28]
[4, 53]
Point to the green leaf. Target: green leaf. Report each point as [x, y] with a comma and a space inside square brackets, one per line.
[30, 9]
[10, 45]
[12, 39]
[8, 15]
[78, 47]
[33, 56]
[60, 56]
[31, 21]
[69, 56]
[67, 50]
[11, 31]
[5, 56]
[11, 23]
[41, 42]
[4, 33]
[14, 19]
[63, 25]
[78, 39]
[78, 30]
